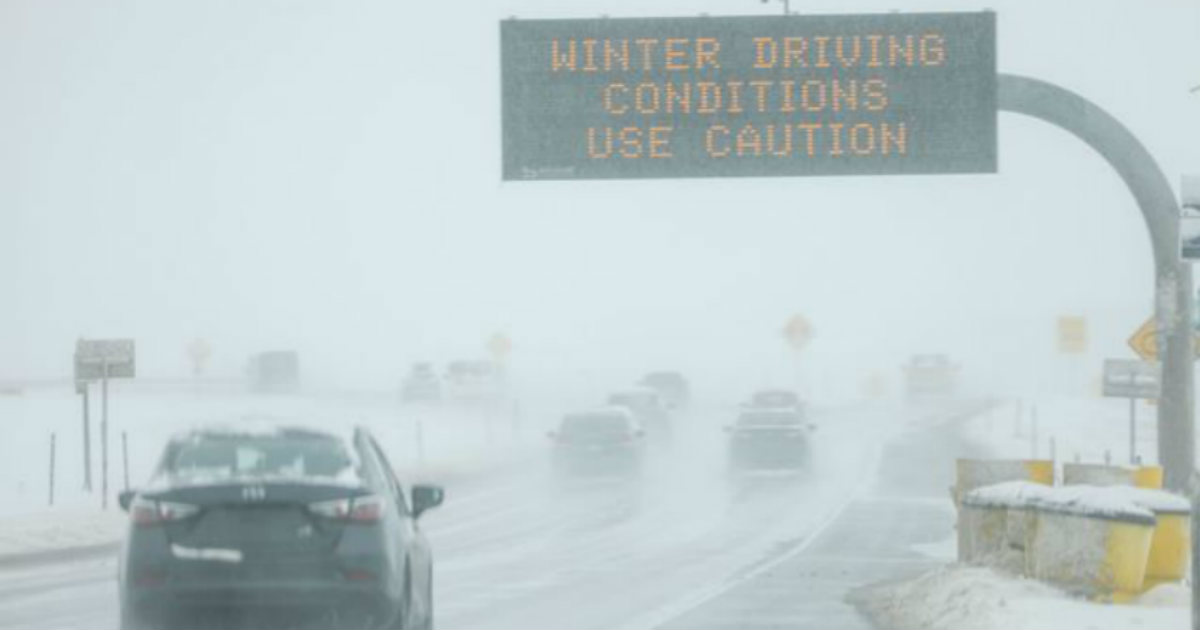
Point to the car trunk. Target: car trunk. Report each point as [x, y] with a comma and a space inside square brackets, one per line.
[254, 531]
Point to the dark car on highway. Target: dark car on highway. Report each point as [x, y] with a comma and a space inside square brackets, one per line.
[600, 442]
[648, 409]
[769, 439]
[276, 527]
[421, 384]
[671, 386]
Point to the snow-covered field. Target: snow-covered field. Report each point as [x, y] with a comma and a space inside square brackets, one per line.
[1068, 429]
[425, 442]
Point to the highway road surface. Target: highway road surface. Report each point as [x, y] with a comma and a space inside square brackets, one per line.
[691, 544]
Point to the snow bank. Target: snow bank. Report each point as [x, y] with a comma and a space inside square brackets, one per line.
[1119, 502]
[58, 530]
[959, 597]
[1009, 494]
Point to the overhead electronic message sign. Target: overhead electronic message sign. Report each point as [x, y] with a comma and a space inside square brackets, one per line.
[749, 96]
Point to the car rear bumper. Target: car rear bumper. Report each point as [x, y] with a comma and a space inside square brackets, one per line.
[365, 604]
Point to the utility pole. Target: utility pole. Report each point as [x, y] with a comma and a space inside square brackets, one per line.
[82, 388]
[786, 6]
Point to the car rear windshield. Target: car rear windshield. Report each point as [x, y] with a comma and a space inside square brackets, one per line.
[285, 454]
[769, 420]
[594, 425]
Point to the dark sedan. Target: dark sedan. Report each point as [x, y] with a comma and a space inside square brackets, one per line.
[281, 527]
[769, 439]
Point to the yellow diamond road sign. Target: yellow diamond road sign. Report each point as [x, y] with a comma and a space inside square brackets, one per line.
[1145, 341]
[797, 331]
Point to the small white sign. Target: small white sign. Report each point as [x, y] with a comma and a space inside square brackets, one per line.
[1189, 233]
[1131, 378]
[94, 356]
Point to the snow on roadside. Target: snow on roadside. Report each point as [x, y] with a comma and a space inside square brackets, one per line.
[55, 530]
[1081, 428]
[455, 442]
[958, 597]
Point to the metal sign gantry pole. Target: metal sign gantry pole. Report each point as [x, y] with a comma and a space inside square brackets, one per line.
[1172, 278]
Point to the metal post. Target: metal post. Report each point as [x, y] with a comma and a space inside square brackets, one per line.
[1133, 430]
[52, 469]
[1033, 420]
[1172, 279]
[104, 436]
[1054, 459]
[87, 438]
[125, 458]
[1194, 490]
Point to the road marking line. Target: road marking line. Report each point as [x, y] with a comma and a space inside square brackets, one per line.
[698, 598]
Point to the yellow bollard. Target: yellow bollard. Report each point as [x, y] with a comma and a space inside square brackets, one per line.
[1127, 555]
[1148, 477]
[1040, 471]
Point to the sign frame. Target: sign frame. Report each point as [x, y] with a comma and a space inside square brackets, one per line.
[561, 106]
[1132, 378]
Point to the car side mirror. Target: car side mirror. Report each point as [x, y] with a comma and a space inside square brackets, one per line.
[425, 497]
[124, 498]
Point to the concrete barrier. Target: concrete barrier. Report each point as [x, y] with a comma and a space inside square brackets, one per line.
[982, 536]
[1105, 475]
[1171, 545]
[1106, 542]
[997, 524]
[1099, 548]
[977, 473]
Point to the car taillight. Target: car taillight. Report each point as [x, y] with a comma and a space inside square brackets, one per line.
[150, 512]
[364, 509]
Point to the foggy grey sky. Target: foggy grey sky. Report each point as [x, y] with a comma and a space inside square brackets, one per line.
[326, 176]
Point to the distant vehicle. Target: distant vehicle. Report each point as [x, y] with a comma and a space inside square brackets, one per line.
[474, 381]
[672, 387]
[285, 526]
[769, 439]
[930, 375]
[605, 441]
[647, 407]
[421, 384]
[775, 398]
[274, 371]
